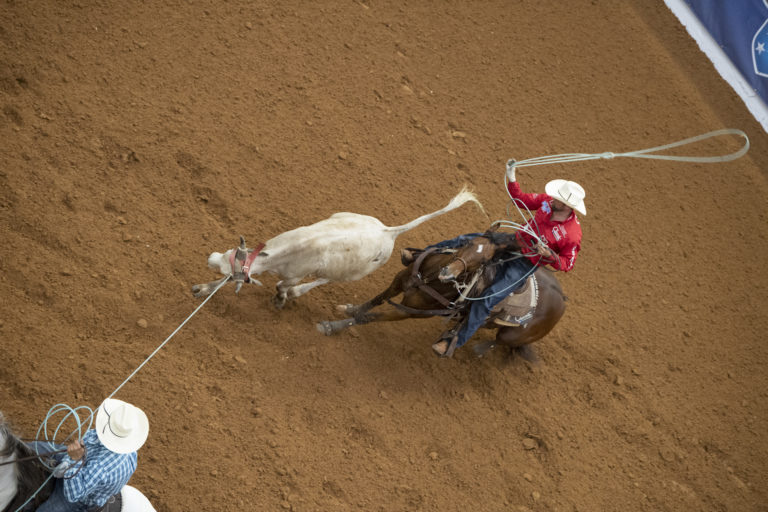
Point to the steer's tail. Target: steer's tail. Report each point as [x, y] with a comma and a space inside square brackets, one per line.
[462, 197]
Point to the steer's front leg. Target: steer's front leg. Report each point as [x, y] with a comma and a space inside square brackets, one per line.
[202, 290]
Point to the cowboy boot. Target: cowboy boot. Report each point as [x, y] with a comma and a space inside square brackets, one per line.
[446, 344]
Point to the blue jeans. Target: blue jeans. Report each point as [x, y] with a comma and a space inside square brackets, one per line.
[59, 503]
[510, 277]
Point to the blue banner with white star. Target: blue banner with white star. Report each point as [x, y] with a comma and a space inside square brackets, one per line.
[740, 27]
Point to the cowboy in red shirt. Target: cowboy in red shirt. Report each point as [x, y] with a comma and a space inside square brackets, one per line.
[555, 224]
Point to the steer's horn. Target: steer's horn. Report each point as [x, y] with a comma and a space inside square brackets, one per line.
[241, 254]
[242, 251]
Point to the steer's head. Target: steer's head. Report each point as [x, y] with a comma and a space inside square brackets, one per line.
[234, 264]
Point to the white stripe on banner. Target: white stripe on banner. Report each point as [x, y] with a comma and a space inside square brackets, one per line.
[722, 63]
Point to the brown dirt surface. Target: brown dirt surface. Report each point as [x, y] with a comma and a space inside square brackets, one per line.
[138, 137]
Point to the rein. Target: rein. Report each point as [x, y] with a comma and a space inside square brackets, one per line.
[416, 280]
[22, 459]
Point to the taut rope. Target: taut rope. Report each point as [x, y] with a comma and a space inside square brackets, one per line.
[73, 411]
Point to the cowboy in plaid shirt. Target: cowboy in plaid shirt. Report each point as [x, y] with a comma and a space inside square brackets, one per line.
[97, 467]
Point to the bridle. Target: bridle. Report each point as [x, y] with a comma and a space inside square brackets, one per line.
[416, 280]
[463, 262]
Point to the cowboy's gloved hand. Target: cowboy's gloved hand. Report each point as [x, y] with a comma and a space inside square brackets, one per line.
[511, 169]
[60, 470]
[75, 450]
[543, 250]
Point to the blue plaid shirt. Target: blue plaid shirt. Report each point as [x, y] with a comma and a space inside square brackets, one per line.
[104, 474]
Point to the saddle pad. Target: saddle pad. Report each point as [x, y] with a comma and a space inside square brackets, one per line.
[518, 307]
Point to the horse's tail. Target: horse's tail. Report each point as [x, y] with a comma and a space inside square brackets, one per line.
[465, 195]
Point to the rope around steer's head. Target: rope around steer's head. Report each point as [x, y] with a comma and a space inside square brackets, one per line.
[240, 261]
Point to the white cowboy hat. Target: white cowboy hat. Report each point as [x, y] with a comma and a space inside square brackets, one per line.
[121, 427]
[568, 192]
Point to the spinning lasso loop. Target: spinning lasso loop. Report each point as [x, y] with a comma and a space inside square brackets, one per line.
[647, 153]
[73, 412]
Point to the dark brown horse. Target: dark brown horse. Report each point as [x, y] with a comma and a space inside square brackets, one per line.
[433, 289]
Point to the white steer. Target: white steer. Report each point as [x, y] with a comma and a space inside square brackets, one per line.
[344, 247]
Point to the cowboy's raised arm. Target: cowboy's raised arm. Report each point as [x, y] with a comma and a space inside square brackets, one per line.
[531, 201]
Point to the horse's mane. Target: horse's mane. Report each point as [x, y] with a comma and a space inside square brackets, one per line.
[31, 473]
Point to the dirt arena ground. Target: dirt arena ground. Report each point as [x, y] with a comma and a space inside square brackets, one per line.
[138, 137]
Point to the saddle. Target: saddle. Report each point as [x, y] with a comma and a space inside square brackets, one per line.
[517, 308]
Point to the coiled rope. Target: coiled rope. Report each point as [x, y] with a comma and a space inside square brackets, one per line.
[70, 411]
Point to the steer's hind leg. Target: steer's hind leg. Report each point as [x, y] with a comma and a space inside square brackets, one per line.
[280, 298]
[289, 289]
[300, 289]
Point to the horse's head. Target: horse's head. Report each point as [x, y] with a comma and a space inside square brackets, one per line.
[479, 251]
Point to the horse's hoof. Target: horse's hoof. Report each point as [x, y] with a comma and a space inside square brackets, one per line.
[332, 327]
[324, 327]
[527, 353]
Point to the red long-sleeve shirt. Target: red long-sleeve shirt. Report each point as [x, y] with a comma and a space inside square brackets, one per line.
[564, 238]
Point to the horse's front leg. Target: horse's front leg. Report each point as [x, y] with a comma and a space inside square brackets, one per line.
[395, 287]
[329, 327]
